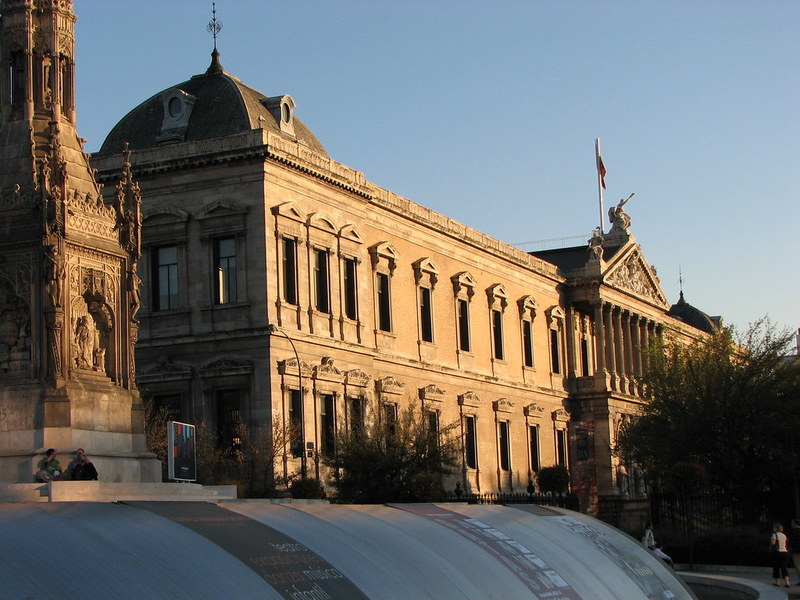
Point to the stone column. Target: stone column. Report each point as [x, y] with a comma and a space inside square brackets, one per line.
[619, 346]
[611, 359]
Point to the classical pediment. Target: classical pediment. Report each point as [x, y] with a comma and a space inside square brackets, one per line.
[631, 273]
[357, 377]
[390, 385]
[326, 370]
[220, 208]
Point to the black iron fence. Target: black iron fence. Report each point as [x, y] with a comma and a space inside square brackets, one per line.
[699, 513]
[568, 501]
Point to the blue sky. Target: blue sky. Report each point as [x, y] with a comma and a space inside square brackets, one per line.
[487, 112]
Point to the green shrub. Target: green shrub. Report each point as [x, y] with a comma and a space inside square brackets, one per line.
[307, 488]
[553, 479]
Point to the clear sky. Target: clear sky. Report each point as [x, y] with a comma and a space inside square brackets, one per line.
[487, 112]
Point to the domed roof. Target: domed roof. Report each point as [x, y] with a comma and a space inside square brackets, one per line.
[695, 317]
[210, 105]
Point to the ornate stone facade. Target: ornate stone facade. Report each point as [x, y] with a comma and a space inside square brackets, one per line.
[67, 328]
[343, 297]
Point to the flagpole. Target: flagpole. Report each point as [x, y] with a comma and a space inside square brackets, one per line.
[600, 173]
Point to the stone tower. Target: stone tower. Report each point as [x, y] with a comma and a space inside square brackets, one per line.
[69, 292]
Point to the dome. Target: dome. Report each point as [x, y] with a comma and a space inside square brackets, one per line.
[695, 317]
[214, 104]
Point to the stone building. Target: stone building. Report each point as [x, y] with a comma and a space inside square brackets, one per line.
[68, 262]
[281, 287]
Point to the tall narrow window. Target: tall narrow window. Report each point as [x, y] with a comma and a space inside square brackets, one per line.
[497, 334]
[165, 278]
[390, 417]
[425, 315]
[584, 357]
[350, 289]
[432, 418]
[533, 442]
[225, 261]
[328, 423]
[527, 343]
[463, 325]
[228, 420]
[290, 270]
[384, 303]
[356, 414]
[470, 443]
[561, 446]
[321, 281]
[505, 448]
[296, 423]
[555, 351]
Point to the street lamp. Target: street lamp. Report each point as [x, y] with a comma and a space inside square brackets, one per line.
[274, 329]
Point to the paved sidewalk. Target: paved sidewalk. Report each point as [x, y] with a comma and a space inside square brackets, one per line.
[758, 575]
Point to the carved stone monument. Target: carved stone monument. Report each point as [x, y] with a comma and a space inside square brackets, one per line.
[68, 284]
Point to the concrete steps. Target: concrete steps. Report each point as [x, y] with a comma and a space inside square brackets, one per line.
[24, 492]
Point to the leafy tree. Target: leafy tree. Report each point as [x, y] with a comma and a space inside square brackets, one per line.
[728, 405]
[402, 460]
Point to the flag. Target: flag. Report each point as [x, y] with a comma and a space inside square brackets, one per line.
[601, 168]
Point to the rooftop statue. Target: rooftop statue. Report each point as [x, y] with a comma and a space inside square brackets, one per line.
[620, 221]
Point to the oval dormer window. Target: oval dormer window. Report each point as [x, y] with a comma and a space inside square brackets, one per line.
[286, 112]
[175, 107]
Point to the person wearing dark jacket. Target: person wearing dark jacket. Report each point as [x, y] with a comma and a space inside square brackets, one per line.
[81, 469]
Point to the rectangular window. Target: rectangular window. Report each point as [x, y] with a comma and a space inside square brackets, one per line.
[356, 414]
[505, 448]
[296, 423]
[561, 446]
[463, 325]
[433, 422]
[225, 262]
[384, 303]
[350, 289]
[585, 357]
[425, 315]
[533, 441]
[322, 296]
[165, 278]
[228, 420]
[497, 334]
[328, 423]
[554, 351]
[432, 418]
[470, 443]
[390, 416]
[527, 343]
[290, 270]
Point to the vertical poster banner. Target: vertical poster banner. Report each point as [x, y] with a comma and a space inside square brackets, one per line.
[181, 457]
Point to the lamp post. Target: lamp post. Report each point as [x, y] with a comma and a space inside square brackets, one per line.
[274, 329]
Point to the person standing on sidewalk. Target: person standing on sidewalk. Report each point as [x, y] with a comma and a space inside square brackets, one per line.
[794, 547]
[780, 557]
[648, 539]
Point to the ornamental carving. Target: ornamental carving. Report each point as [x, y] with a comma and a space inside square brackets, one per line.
[15, 350]
[469, 399]
[534, 410]
[327, 371]
[227, 364]
[290, 365]
[357, 377]
[503, 405]
[635, 276]
[431, 392]
[389, 385]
